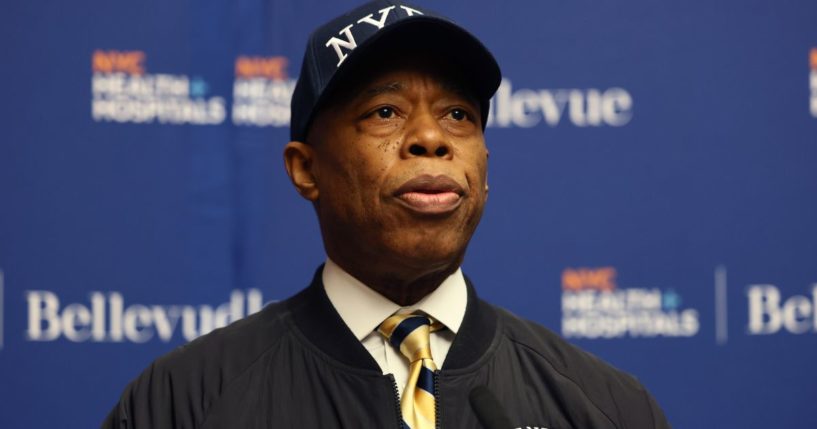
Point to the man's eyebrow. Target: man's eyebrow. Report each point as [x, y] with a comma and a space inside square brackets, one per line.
[383, 89]
[461, 90]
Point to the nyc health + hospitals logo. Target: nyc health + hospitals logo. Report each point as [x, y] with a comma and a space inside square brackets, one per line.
[124, 92]
[594, 306]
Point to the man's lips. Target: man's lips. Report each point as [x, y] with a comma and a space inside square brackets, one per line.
[429, 194]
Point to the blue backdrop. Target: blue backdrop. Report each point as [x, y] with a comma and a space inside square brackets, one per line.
[653, 191]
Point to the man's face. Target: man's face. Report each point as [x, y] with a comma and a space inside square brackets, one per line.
[399, 169]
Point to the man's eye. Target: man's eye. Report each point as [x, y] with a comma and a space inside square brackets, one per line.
[385, 112]
[458, 114]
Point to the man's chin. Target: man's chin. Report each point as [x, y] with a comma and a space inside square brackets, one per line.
[426, 256]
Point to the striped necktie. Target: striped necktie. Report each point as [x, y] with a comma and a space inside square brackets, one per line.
[410, 334]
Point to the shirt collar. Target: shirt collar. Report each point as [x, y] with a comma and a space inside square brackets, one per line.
[363, 309]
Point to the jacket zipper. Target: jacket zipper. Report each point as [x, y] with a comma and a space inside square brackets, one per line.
[437, 417]
[397, 402]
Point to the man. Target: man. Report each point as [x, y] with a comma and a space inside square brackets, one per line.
[387, 144]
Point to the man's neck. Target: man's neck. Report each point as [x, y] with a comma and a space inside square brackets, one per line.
[401, 288]
[408, 293]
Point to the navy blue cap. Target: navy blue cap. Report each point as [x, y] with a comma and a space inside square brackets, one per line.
[336, 46]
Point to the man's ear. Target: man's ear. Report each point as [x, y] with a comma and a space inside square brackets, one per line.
[299, 160]
[487, 155]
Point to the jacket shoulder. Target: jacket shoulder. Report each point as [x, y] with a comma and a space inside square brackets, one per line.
[617, 394]
[177, 389]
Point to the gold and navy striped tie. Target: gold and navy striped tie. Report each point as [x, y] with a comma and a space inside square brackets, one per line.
[410, 334]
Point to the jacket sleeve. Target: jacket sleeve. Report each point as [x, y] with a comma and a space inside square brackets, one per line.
[151, 401]
[117, 418]
[142, 404]
[659, 420]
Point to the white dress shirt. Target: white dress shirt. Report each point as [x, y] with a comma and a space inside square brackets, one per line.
[363, 310]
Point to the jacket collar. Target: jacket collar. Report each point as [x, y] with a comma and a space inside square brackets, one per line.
[320, 323]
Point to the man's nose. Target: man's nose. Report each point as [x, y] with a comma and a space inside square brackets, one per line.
[425, 137]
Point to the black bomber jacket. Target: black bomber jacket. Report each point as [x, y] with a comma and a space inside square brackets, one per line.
[295, 364]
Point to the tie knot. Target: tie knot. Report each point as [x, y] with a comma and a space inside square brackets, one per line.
[410, 334]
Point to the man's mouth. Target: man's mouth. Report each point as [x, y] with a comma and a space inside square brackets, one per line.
[428, 194]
